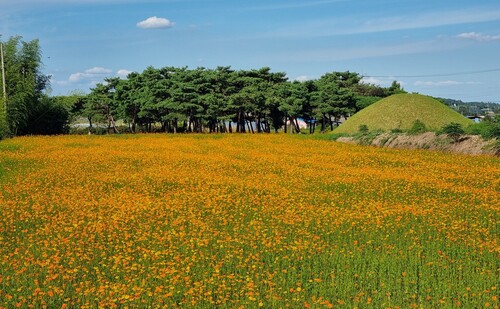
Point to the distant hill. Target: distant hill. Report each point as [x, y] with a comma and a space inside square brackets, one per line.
[400, 111]
[472, 108]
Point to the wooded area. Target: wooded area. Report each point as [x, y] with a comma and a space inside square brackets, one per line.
[173, 99]
[215, 100]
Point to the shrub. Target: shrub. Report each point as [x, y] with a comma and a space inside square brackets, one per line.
[363, 129]
[453, 130]
[489, 128]
[417, 127]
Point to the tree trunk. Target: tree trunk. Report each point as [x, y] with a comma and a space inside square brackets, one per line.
[241, 122]
[297, 127]
[249, 124]
[238, 122]
[133, 125]
[90, 124]
[112, 124]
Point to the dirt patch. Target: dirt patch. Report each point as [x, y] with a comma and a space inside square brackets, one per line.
[468, 144]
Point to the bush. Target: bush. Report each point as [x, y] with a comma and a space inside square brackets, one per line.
[489, 128]
[417, 127]
[366, 138]
[453, 130]
[363, 129]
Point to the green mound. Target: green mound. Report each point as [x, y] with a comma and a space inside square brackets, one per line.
[400, 111]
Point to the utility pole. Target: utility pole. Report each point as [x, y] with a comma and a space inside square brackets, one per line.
[3, 79]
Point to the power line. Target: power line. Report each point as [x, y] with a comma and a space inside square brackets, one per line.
[434, 75]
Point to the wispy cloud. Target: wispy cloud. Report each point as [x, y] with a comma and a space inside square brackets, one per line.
[122, 73]
[384, 82]
[444, 83]
[292, 5]
[302, 78]
[89, 74]
[90, 77]
[429, 20]
[478, 37]
[364, 52]
[155, 23]
[361, 24]
[68, 2]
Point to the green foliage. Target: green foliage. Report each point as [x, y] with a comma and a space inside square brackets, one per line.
[489, 128]
[396, 130]
[472, 108]
[453, 130]
[366, 137]
[46, 118]
[4, 126]
[418, 127]
[25, 84]
[224, 100]
[363, 129]
[395, 89]
[365, 101]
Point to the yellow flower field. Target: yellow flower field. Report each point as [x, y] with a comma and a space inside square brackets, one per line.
[249, 221]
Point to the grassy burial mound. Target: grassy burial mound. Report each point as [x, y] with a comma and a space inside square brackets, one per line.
[400, 111]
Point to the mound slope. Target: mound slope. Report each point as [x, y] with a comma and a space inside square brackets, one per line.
[400, 111]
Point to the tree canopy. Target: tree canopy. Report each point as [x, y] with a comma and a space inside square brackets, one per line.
[172, 99]
[27, 108]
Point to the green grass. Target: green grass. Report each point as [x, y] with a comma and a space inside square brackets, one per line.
[400, 111]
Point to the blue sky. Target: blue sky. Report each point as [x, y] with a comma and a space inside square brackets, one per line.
[441, 48]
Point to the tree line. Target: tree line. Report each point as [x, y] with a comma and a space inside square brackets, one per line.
[173, 99]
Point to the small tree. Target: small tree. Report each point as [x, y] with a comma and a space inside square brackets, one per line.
[417, 127]
[363, 129]
[453, 130]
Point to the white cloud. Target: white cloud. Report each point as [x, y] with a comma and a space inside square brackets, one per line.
[123, 73]
[383, 82]
[302, 78]
[89, 75]
[478, 37]
[444, 83]
[98, 70]
[377, 81]
[155, 23]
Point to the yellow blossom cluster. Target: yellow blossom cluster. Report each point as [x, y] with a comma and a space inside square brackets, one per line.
[244, 221]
